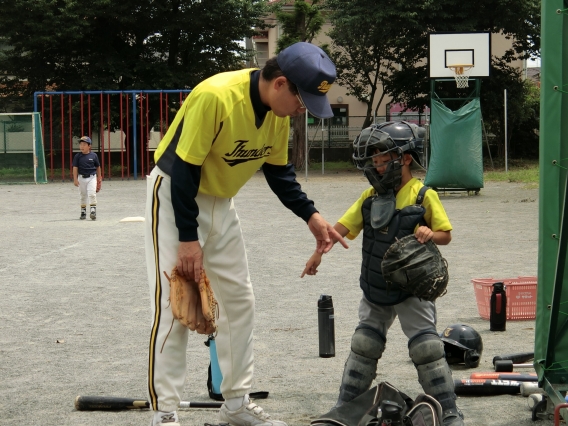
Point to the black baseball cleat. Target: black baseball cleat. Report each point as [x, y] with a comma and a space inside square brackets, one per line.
[453, 418]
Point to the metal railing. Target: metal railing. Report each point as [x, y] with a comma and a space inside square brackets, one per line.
[330, 137]
[342, 136]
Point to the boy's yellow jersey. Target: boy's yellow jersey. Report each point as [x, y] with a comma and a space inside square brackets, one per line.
[435, 215]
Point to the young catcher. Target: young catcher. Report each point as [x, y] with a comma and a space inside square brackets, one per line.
[230, 125]
[395, 206]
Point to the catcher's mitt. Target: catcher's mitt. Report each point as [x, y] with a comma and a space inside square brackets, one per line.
[192, 303]
[99, 184]
[417, 268]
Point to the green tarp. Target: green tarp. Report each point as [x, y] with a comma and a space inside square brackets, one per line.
[551, 331]
[456, 157]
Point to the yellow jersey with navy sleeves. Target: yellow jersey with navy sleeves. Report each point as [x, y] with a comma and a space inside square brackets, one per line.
[435, 216]
[221, 136]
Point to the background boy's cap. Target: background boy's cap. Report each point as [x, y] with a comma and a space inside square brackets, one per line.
[85, 139]
[311, 70]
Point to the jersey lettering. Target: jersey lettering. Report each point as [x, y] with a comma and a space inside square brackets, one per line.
[241, 155]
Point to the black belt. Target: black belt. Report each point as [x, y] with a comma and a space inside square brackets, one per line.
[87, 176]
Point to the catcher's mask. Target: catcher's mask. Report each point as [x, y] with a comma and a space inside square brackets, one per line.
[408, 136]
[462, 344]
[391, 140]
[371, 145]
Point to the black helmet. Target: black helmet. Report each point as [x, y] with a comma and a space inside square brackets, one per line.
[407, 136]
[370, 143]
[462, 344]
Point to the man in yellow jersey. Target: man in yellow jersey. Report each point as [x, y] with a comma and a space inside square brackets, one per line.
[396, 205]
[228, 127]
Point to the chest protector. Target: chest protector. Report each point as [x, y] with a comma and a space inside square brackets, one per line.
[377, 241]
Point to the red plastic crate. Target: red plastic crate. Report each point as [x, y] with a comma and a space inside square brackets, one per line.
[521, 296]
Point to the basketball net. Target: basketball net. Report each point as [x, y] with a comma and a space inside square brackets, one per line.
[461, 74]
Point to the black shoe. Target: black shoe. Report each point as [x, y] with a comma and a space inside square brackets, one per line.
[83, 215]
[453, 418]
[93, 214]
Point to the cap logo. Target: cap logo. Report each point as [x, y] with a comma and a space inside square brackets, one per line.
[447, 332]
[324, 86]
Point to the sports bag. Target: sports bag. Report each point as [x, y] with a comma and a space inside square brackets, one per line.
[426, 411]
[384, 405]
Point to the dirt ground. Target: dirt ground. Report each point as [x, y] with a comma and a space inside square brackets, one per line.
[75, 316]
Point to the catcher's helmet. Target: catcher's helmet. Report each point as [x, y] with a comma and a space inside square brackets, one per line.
[394, 138]
[408, 136]
[462, 344]
[371, 143]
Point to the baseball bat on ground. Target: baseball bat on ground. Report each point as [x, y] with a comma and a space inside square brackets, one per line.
[517, 358]
[506, 365]
[532, 377]
[112, 403]
[529, 388]
[485, 387]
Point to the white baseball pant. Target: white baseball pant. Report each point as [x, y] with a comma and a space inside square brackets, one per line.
[225, 261]
[88, 190]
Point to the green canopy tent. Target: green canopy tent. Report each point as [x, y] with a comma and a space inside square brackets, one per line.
[551, 331]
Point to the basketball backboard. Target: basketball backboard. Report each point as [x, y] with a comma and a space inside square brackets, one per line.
[466, 49]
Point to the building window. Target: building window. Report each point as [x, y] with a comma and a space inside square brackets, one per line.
[340, 115]
[261, 53]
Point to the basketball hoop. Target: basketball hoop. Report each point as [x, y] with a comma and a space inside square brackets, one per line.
[461, 74]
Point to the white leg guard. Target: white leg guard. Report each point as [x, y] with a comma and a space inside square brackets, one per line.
[367, 346]
[434, 374]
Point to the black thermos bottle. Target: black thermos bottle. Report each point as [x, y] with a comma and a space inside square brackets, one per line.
[326, 327]
[498, 314]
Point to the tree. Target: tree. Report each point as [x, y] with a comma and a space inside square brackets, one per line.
[523, 110]
[380, 47]
[301, 24]
[370, 41]
[105, 45]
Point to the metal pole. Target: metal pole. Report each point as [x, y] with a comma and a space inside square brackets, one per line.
[487, 143]
[426, 145]
[506, 148]
[134, 136]
[34, 148]
[306, 140]
[322, 150]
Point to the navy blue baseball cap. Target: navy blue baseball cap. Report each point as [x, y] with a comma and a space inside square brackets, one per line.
[311, 70]
[85, 139]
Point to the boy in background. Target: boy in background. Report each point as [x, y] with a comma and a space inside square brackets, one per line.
[395, 206]
[86, 175]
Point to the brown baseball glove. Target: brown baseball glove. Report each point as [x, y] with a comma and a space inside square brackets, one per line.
[193, 304]
[99, 184]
